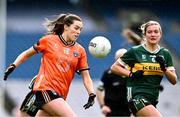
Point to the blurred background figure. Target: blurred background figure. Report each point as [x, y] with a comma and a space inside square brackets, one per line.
[112, 93]
[132, 37]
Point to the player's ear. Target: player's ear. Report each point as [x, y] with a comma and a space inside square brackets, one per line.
[65, 27]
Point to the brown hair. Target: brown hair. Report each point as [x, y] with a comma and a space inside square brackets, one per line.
[57, 26]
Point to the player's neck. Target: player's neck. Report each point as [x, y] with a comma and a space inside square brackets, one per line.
[151, 48]
[64, 37]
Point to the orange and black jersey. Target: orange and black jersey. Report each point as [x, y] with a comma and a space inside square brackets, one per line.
[59, 63]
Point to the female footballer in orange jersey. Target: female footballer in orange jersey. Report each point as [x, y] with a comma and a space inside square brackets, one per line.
[62, 56]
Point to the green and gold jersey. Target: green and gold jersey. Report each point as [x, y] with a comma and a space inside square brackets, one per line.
[141, 59]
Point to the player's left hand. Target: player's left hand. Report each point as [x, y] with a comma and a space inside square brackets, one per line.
[90, 101]
[161, 61]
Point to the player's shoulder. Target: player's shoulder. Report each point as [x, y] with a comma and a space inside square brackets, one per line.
[135, 48]
[79, 46]
[165, 50]
[48, 37]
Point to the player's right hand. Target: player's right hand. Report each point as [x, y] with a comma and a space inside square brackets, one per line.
[9, 70]
[136, 75]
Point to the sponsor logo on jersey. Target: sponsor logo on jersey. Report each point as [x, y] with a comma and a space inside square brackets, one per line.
[144, 57]
[153, 58]
[148, 68]
[75, 54]
[66, 50]
[151, 68]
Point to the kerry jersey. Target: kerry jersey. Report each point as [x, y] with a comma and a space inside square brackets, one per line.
[142, 59]
[58, 64]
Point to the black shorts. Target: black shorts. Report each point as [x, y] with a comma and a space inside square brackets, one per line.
[118, 110]
[119, 113]
[35, 100]
[28, 104]
[45, 96]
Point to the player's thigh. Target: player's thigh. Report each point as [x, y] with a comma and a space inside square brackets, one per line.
[42, 113]
[59, 107]
[149, 111]
[23, 114]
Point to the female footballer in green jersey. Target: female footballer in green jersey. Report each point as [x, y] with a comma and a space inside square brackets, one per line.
[145, 66]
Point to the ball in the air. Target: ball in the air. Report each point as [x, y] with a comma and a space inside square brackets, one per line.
[99, 47]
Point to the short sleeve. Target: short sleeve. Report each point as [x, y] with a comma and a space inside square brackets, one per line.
[41, 45]
[128, 57]
[168, 59]
[82, 62]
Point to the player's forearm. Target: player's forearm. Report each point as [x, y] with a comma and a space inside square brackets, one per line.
[24, 56]
[87, 81]
[89, 85]
[171, 76]
[117, 69]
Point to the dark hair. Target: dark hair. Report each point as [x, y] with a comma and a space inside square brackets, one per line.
[57, 26]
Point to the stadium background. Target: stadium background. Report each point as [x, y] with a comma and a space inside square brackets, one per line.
[23, 25]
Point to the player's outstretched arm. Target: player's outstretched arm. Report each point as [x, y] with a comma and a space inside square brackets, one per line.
[19, 60]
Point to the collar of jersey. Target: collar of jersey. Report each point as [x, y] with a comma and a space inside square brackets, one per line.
[65, 42]
[154, 52]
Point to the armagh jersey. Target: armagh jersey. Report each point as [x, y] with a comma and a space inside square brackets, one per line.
[58, 64]
[141, 59]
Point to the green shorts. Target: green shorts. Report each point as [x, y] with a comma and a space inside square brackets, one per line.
[137, 104]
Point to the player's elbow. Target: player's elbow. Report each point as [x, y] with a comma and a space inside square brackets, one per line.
[113, 68]
[173, 81]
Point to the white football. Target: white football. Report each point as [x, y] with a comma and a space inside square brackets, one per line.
[99, 47]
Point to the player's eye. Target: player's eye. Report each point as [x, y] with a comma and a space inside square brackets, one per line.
[156, 31]
[149, 31]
